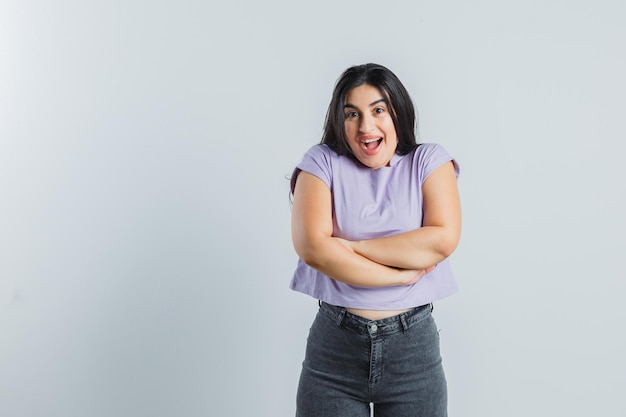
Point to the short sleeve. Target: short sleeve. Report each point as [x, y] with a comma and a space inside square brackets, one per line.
[431, 156]
[317, 161]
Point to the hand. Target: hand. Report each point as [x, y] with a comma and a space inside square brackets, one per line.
[411, 276]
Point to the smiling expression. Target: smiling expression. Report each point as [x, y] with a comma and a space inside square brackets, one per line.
[370, 132]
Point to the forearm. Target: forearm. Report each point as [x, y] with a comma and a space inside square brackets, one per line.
[312, 230]
[335, 260]
[417, 249]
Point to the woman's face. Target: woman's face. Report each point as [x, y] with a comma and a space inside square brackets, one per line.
[369, 128]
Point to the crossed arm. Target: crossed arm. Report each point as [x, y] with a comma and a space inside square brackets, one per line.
[391, 261]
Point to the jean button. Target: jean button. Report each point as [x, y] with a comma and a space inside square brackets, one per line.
[374, 327]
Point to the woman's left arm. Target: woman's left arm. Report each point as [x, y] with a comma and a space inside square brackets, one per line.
[435, 240]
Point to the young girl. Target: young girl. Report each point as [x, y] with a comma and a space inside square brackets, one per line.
[374, 218]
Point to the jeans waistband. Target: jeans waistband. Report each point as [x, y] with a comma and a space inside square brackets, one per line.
[389, 325]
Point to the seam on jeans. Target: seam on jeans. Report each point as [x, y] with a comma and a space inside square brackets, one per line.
[405, 325]
[340, 317]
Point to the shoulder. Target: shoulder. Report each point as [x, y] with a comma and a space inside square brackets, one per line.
[319, 160]
[320, 151]
[430, 150]
[430, 156]
[319, 155]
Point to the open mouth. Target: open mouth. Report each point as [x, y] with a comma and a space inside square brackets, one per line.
[371, 144]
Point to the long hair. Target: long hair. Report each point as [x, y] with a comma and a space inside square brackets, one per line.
[395, 96]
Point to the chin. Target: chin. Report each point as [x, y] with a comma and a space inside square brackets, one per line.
[373, 164]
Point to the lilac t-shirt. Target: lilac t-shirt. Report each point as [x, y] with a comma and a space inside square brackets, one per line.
[370, 203]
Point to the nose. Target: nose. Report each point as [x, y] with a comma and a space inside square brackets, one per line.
[367, 124]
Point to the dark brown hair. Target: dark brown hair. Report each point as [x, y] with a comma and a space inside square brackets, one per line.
[395, 95]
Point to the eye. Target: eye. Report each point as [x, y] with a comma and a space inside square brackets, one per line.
[379, 110]
[351, 115]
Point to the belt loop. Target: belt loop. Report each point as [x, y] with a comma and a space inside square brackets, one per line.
[405, 326]
[340, 317]
[432, 307]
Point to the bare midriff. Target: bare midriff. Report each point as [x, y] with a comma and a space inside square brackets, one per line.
[376, 314]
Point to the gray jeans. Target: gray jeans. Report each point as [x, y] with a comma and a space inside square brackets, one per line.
[393, 363]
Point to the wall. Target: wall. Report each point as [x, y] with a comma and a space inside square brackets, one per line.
[144, 217]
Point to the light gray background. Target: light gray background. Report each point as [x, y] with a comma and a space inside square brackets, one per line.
[145, 248]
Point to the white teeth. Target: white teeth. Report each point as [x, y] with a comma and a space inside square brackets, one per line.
[370, 140]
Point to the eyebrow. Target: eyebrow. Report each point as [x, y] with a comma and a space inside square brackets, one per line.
[370, 105]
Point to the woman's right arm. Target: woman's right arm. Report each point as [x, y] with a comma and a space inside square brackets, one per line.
[312, 228]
